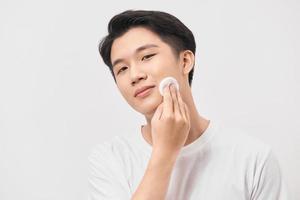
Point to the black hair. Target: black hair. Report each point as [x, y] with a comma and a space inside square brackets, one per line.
[170, 30]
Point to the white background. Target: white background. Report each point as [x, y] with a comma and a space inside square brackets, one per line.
[58, 99]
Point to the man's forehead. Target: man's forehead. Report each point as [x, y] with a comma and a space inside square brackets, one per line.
[130, 41]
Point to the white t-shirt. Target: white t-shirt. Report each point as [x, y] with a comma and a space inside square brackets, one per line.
[221, 164]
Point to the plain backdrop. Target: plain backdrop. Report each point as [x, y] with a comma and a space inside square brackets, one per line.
[58, 99]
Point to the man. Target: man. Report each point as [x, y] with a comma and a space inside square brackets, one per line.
[177, 154]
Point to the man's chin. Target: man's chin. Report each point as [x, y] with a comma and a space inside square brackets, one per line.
[149, 108]
[148, 111]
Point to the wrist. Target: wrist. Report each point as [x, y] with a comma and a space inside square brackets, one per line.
[165, 154]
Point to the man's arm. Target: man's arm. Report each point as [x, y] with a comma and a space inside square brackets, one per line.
[155, 182]
[170, 127]
[268, 180]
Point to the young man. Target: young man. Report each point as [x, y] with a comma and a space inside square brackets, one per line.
[177, 154]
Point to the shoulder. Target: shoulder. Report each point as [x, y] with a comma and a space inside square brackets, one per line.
[115, 146]
[242, 142]
[245, 151]
[117, 151]
[254, 158]
[107, 158]
[107, 173]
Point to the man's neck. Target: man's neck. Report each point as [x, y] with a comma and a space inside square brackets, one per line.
[198, 125]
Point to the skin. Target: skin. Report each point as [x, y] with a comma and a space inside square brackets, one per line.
[139, 69]
[172, 119]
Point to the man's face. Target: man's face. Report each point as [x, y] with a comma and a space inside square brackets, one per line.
[134, 68]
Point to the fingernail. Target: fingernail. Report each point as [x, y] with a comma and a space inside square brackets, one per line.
[172, 86]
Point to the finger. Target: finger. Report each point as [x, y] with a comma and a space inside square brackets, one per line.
[175, 101]
[187, 112]
[167, 102]
[158, 112]
[181, 104]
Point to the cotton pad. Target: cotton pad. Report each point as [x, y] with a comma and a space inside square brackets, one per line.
[166, 82]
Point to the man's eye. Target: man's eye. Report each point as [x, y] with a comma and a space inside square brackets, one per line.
[148, 56]
[123, 68]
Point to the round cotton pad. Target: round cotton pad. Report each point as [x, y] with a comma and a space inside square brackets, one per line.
[166, 82]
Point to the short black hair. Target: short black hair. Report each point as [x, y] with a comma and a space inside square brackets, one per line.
[169, 28]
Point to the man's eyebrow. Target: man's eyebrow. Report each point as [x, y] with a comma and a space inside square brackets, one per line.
[141, 48]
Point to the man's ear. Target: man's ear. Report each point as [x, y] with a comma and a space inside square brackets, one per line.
[188, 61]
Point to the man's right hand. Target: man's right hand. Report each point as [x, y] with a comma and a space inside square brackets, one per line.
[170, 123]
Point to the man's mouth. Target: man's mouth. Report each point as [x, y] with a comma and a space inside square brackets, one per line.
[145, 92]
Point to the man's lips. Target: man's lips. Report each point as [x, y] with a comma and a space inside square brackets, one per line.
[142, 89]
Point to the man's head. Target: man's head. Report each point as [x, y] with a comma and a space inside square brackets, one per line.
[142, 48]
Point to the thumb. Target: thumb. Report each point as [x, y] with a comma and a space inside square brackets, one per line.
[158, 112]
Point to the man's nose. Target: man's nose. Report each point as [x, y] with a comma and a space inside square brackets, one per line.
[136, 74]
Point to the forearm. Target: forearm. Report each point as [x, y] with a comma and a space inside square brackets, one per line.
[155, 182]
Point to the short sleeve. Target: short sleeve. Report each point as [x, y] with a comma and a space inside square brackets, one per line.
[106, 180]
[268, 181]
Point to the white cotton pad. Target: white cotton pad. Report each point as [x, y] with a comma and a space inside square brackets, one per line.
[166, 82]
